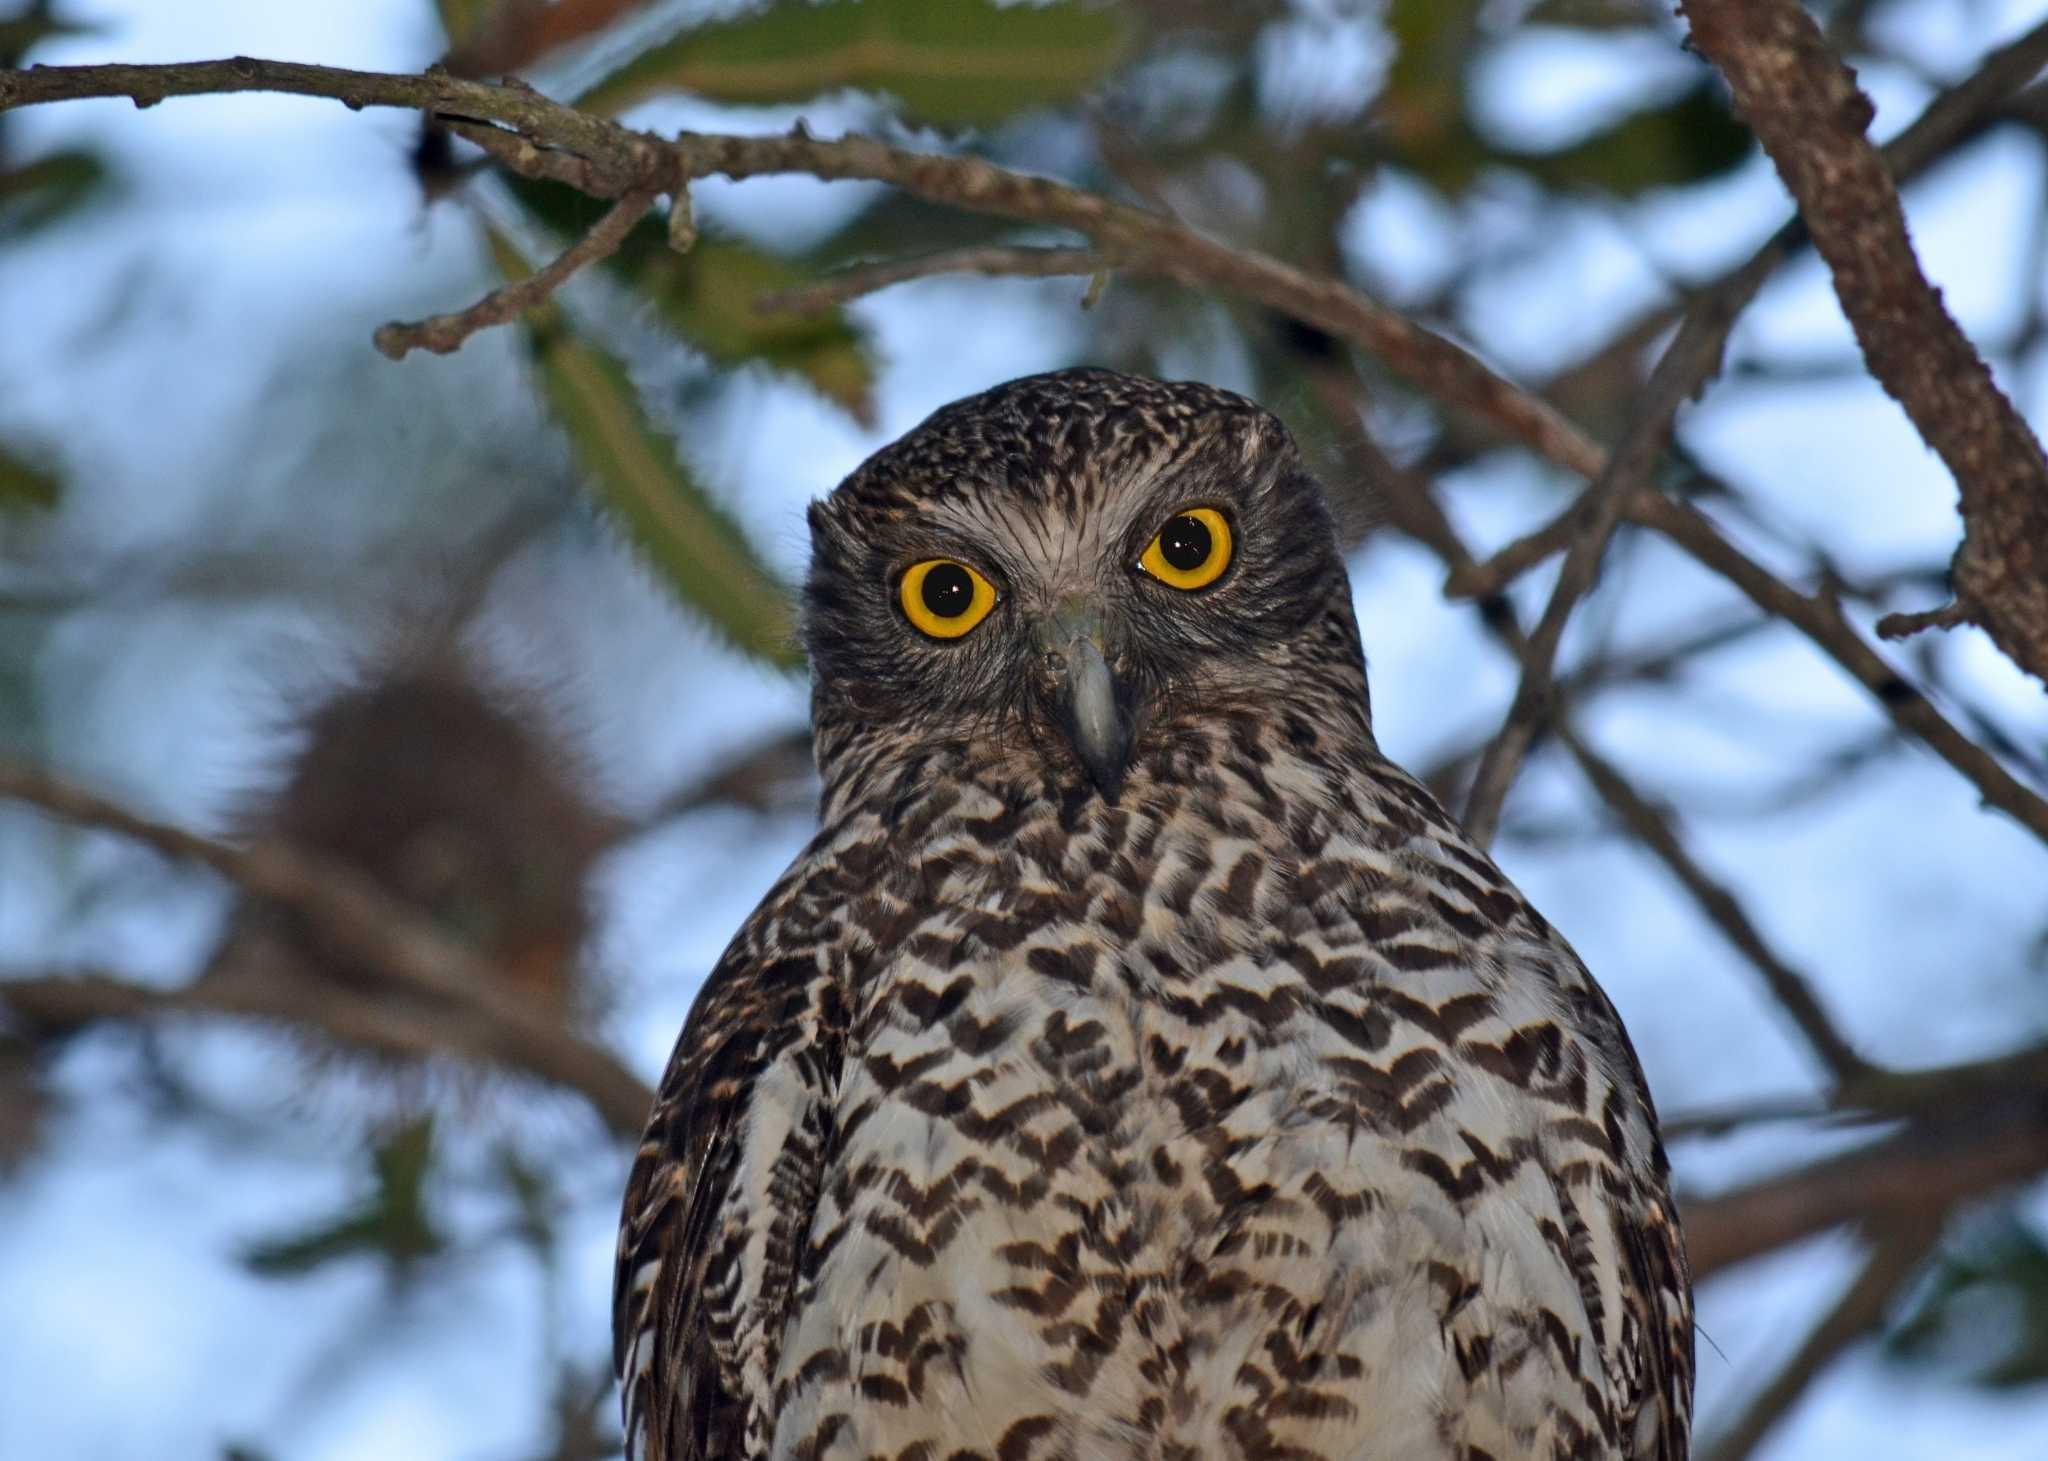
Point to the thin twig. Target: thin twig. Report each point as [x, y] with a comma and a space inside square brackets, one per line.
[1900, 1250]
[445, 333]
[1805, 108]
[1652, 826]
[1904, 626]
[1412, 505]
[1691, 359]
[1822, 622]
[1015, 261]
[366, 922]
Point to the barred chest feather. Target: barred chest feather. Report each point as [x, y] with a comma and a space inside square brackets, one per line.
[1254, 1117]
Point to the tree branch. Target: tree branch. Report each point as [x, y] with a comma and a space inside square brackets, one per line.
[1821, 621]
[1900, 1249]
[1692, 357]
[620, 161]
[443, 334]
[1652, 826]
[64, 1004]
[372, 926]
[1805, 108]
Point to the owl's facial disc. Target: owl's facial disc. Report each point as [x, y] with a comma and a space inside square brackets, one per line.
[1092, 706]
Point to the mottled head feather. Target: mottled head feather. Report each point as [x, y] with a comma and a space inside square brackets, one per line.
[1051, 486]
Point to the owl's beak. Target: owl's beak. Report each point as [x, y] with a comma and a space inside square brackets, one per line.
[1097, 724]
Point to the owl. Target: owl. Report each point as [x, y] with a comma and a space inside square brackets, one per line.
[1136, 1064]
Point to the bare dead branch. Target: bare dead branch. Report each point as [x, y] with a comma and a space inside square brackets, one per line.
[1949, 1156]
[443, 334]
[1654, 827]
[1952, 118]
[1692, 357]
[621, 161]
[1821, 620]
[372, 926]
[1805, 108]
[411, 1030]
[1900, 1250]
[1415, 507]
[1008, 261]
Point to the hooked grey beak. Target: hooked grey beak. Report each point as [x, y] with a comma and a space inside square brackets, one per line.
[1097, 724]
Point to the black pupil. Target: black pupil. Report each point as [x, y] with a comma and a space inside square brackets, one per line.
[948, 591]
[1185, 543]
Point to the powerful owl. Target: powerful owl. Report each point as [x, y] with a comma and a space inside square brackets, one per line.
[1136, 1063]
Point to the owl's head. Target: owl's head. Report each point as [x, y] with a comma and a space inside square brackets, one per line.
[1077, 567]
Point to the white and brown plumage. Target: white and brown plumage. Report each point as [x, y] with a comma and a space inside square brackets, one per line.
[1136, 1064]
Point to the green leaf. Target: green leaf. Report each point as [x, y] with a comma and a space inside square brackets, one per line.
[707, 297]
[22, 485]
[1984, 1307]
[1691, 139]
[956, 63]
[392, 1223]
[634, 468]
[1588, 14]
[16, 36]
[1422, 107]
[49, 187]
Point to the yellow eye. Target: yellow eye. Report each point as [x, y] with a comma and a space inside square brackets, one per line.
[1191, 551]
[945, 599]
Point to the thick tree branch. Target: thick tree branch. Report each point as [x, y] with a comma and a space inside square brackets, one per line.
[1937, 1162]
[619, 161]
[410, 1030]
[1805, 108]
[362, 919]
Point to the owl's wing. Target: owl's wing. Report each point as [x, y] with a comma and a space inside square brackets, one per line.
[718, 1206]
[1637, 1257]
[1660, 1297]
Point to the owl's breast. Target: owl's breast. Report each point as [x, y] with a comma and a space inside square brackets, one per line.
[1129, 1163]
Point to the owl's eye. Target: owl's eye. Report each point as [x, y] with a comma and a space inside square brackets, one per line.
[945, 599]
[1191, 551]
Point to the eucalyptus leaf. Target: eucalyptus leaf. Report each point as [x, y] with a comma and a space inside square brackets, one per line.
[1689, 140]
[959, 63]
[48, 188]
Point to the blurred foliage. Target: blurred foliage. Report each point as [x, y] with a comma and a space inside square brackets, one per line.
[26, 485]
[391, 1223]
[635, 470]
[957, 63]
[1984, 1307]
[1425, 108]
[42, 191]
